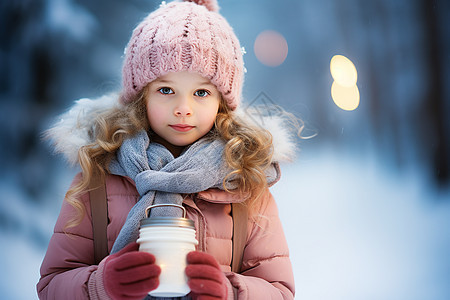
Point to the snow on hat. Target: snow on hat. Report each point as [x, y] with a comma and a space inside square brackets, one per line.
[184, 36]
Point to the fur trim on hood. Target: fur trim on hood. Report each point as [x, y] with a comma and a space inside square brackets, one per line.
[74, 128]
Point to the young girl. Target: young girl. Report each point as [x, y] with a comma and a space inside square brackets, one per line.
[173, 135]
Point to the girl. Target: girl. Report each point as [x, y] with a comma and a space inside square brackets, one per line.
[173, 135]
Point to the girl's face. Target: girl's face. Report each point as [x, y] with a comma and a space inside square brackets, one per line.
[181, 108]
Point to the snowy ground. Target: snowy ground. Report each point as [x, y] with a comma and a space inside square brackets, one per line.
[358, 231]
[355, 230]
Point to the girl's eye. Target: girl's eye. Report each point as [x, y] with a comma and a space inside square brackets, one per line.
[201, 93]
[165, 91]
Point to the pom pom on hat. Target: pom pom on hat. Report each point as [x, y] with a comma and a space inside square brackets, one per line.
[184, 36]
[211, 5]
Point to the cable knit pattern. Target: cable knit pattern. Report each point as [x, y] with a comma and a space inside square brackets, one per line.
[184, 36]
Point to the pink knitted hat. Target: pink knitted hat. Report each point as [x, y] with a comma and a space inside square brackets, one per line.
[184, 36]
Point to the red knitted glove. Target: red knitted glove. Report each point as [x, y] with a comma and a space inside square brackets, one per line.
[205, 279]
[130, 274]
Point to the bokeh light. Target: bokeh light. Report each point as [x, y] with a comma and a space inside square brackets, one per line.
[344, 91]
[271, 48]
[346, 98]
[343, 71]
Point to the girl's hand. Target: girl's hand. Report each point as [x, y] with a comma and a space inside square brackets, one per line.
[205, 279]
[130, 274]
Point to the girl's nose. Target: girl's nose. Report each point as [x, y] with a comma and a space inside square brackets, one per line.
[183, 108]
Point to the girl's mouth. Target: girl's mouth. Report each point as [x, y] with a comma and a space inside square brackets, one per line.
[181, 127]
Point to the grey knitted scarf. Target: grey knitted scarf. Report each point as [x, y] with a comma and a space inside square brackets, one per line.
[160, 178]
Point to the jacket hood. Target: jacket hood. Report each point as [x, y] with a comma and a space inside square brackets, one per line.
[74, 128]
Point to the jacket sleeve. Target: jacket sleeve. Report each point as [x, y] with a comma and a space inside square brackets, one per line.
[266, 267]
[69, 261]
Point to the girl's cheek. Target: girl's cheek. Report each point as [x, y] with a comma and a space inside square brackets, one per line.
[155, 115]
[209, 118]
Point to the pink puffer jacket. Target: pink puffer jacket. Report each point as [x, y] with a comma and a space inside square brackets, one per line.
[267, 271]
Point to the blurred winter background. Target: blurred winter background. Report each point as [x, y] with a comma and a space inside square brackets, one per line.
[366, 204]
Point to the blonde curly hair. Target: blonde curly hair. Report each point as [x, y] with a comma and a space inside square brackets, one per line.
[248, 150]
